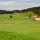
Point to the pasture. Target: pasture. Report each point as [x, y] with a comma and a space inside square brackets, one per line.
[18, 28]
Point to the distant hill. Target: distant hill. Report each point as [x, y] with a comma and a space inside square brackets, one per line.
[36, 10]
[9, 12]
[5, 12]
[33, 9]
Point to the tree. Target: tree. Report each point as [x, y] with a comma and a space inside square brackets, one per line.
[10, 16]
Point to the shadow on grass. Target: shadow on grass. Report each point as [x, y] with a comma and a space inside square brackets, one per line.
[4, 35]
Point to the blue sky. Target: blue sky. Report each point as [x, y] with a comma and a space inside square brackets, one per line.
[18, 4]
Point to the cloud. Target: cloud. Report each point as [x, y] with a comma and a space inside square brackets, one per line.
[19, 4]
[9, 2]
[22, 4]
[7, 5]
[22, 1]
[6, 0]
[28, 1]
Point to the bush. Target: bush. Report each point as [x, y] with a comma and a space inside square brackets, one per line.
[10, 16]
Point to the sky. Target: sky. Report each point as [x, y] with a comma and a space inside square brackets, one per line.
[18, 4]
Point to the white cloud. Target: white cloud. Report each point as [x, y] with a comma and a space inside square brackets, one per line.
[24, 1]
[7, 5]
[9, 2]
[22, 4]
[26, 5]
[19, 4]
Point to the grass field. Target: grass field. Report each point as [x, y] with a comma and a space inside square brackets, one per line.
[18, 28]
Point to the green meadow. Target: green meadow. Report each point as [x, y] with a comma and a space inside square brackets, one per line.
[18, 28]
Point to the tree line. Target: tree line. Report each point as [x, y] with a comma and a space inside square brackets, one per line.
[36, 10]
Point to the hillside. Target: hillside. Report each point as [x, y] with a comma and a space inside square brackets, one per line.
[33, 9]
